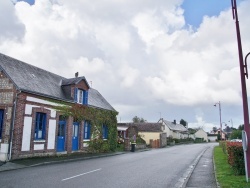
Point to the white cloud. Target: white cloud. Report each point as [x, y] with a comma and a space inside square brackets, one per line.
[138, 54]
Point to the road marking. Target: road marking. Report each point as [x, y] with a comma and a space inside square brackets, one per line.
[81, 174]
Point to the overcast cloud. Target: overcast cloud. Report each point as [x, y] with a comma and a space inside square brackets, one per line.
[141, 56]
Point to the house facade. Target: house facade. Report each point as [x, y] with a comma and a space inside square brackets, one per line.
[147, 131]
[174, 129]
[201, 134]
[36, 108]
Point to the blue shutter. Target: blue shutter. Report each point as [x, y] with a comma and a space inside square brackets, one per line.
[89, 130]
[75, 95]
[85, 97]
[44, 125]
[1, 122]
[106, 132]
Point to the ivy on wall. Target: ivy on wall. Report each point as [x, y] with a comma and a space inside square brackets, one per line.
[97, 118]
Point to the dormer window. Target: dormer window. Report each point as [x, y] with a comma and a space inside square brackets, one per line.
[81, 96]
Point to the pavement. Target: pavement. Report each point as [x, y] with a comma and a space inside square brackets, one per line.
[202, 174]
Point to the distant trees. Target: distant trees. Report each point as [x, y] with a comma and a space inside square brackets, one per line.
[183, 122]
[241, 127]
[137, 119]
[236, 134]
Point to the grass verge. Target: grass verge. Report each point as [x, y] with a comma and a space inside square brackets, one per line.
[224, 173]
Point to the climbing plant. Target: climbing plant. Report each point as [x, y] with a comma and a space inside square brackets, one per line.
[98, 118]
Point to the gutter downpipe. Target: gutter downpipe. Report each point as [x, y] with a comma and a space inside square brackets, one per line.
[12, 127]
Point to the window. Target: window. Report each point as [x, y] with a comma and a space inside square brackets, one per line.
[81, 96]
[104, 131]
[87, 130]
[1, 121]
[40, 126]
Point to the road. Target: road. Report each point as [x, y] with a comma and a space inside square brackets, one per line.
[166, 167]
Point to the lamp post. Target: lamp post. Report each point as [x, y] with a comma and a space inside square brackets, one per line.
[231, 122]
[243, 73]
[220, 118]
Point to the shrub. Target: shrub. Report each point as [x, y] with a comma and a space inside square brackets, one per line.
[223, 145]
[98, 146]
[236, 157]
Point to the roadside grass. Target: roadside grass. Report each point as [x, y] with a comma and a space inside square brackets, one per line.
[224, 173]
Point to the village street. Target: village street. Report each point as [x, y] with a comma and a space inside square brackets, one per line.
[166, 167]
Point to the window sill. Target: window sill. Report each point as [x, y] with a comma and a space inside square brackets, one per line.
[39, 140]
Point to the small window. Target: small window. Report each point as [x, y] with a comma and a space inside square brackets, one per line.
[104, 131]
[87, 130]
[81, 96]
[40, 126]
[1, 121]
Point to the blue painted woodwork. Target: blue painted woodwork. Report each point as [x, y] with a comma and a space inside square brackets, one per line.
[87, 130]
[61, 136]
[75, 134]
[1, 121]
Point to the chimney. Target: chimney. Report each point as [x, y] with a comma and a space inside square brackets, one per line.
[76, 74]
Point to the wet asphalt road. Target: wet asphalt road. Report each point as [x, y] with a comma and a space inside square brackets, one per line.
[165, 167]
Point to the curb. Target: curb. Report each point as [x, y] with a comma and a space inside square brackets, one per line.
[186, 176]
[217, 183]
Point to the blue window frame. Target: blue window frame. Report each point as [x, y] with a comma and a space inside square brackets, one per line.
[81, 96]
[104, 131]
[87, 130]
[40, 126]
[1, 121]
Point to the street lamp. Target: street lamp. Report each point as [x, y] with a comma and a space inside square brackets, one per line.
[220, 118]
[231, 122]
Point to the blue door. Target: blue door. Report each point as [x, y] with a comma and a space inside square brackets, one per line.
[61, 136]
[75, 136]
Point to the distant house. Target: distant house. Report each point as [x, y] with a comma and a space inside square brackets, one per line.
[31, 125]
[122, 130]
[201, 134]
[228, 131]
[148, 131]
[218, 132]
[174, 129]
[212, 137]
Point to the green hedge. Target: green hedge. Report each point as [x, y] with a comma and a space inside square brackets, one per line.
[236, 157]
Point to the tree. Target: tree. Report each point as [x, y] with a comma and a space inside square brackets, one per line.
[183, 122]
[236, 134]
[136, 119]
[241, 127]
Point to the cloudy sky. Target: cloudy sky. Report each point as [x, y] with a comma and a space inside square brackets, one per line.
[167, 58]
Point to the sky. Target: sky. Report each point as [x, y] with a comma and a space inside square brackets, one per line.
[169, 59]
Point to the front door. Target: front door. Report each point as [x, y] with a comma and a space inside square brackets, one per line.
[61, 136]
[75, 136]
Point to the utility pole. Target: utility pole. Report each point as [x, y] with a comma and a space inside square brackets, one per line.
[243, 73]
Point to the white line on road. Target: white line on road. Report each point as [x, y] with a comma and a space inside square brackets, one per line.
[81, 174]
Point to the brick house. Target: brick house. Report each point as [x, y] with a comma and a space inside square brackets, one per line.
[29, 123]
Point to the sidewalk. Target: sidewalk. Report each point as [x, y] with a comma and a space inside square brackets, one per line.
[36, 161]
[203, 175]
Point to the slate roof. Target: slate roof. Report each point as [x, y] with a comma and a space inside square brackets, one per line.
[144, 127]
[31, 79]
[71, 81]
[175, 127]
